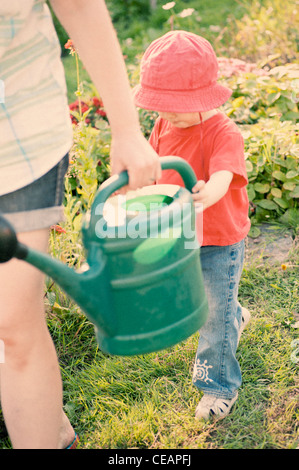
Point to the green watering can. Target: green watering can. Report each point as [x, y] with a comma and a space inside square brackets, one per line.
[142, 284]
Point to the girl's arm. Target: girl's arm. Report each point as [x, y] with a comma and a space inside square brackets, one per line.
[89, 25]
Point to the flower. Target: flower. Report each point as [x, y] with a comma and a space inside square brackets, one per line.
[101, 112]
[168, 5]
[70, 45]
[96, 101]
[283, 267]
[186, 12]
[74, 105]
[58, 229]
[95, 108]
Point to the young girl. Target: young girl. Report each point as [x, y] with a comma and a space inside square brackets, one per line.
[179, 80]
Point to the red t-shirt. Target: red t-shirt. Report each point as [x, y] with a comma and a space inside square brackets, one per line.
[214, 145]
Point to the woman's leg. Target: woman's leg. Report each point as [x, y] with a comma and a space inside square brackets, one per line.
[31, 388]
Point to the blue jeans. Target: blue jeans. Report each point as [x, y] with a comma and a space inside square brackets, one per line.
[216, 369]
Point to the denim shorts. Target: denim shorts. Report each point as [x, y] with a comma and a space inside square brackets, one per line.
[39, 204]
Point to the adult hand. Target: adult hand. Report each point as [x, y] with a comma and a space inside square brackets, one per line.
[134, 154]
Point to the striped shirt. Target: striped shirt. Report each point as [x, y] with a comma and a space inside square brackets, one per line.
[35, 126]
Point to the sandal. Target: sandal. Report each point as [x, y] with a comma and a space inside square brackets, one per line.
[213, 407]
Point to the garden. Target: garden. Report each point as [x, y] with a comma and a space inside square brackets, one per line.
[148, 401]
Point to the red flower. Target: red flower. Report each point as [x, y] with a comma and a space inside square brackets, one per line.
[70, 45]
[100, 112]
[97, 102]
[58, 229]
[74, 105]
[84, 107]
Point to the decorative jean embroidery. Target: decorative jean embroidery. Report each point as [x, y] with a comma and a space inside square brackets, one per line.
[201, 371]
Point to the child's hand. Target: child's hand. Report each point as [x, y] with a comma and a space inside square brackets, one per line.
[199, 195]
[206, 194]
[198, 187]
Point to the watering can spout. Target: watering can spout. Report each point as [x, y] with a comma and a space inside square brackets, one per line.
[81, 286]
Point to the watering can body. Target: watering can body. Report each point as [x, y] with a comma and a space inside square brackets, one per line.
[142, 284]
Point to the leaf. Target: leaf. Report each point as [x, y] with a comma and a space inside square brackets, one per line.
[238, 102]
[51, 296]
[267, 204]
[290, 116]
[292, 174]
[251, 193]
[275, 286]
[261, 188]
[276, 192]
[279, 175]
[290, 217]
[295, 193]
[273, 97]
[289, 186]
[254, 232]
[281, 202]
[249, 166]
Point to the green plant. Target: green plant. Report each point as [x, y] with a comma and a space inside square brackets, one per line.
[89, 162]
[261, 94]
[89, 156]
[272, 151]
[268, 32]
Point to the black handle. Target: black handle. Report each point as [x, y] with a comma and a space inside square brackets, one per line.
[9, 245]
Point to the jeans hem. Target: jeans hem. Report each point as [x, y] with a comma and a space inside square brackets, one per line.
[37, 219]
[212, 393]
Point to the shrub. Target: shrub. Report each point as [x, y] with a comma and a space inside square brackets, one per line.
[272, 151]
[259, 94]
[268, 32]
[264, 104]
[89, 162]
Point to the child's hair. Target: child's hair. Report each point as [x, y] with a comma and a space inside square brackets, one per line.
[179, 74]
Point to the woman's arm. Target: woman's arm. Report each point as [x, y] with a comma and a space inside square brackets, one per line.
[89, 25]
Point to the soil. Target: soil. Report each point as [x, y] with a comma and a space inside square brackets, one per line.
[273, 246]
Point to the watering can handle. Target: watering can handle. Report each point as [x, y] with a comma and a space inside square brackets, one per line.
[167, 163]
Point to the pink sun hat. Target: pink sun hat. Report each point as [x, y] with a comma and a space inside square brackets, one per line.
[178, 73]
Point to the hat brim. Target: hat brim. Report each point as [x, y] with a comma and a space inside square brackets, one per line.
[177, 101]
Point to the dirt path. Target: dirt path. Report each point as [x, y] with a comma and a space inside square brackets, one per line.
[273, 246]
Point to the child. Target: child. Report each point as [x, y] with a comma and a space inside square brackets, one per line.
[178, 79]
[36, 136]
